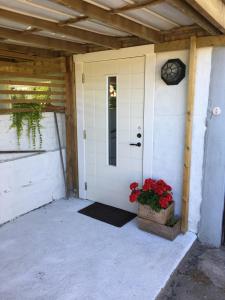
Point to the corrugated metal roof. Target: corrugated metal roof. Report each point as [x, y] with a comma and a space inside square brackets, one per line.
[171, 13]
[159, 17]
[99, 28]
[26, 7]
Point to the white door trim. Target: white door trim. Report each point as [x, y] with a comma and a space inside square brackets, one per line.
[149, 95]
[115, 54]
[80, 129]
[149, 109]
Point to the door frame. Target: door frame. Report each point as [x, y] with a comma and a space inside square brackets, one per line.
[147, 52]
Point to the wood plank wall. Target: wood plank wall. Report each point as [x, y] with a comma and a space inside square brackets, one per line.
[27, 78]
[49, 82]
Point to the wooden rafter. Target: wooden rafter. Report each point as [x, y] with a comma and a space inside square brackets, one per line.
[45, 42]
[73, 20]
[194, 15]
[212, 10]
[203, 41]
[31, 30]
[129, 7]
[95, 38]
[183, 33]
[114, 20]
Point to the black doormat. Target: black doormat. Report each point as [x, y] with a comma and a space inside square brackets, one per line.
[108, 214]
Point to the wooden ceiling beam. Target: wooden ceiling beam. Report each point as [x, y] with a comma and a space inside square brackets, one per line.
[46, 42]
[34, 22]
[212, 10]
[32, 30]
[183, 32]
[113, 20]
[31, 51]
[202, 42]
[12, 54]
[73, 20]
[129, 7]
[194, 15]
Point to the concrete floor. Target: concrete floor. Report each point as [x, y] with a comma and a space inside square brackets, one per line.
[56, 253]
[200, 276]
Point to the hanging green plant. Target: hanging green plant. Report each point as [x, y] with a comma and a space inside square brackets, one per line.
[31, 120]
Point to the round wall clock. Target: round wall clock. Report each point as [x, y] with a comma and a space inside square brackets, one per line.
[173, 71]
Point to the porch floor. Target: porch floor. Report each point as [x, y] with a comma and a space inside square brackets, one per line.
[55, 253]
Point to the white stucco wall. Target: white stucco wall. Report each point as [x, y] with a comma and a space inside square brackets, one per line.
[29, 181]
[169, 122]
[169, 130]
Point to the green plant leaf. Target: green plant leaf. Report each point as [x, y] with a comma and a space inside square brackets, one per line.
[32, 120]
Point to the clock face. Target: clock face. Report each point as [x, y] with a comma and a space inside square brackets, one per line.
[173, 71]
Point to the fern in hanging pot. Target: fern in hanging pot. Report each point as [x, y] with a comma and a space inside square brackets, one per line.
[29, 119]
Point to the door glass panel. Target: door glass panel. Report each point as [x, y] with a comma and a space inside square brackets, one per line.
[112, 130]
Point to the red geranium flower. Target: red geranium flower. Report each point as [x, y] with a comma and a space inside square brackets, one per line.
[163, 202]
[133, 185]
[164, 185]
[169, 197]
[161, 182]
[145, 187]
[148, 184]
[134, 195]
[133, 198]
[159, 190]
[155, 193]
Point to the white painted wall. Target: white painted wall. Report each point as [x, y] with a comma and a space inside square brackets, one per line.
[204, 60]
[168, 141]
[165, 127]
[29, 181]
[169, 130]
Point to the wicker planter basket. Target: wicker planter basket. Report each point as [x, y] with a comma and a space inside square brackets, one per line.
[162, 217]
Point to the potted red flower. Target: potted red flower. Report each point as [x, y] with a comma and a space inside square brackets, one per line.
[155, 200]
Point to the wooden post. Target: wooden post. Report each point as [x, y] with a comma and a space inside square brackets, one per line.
[188, 133]
[71, 131]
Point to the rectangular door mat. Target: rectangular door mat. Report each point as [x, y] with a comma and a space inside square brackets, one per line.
[108, 214]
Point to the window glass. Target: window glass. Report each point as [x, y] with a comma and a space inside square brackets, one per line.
[112, 130]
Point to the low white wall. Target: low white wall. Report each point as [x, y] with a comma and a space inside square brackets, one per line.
[29, 181]
[169, 130]
[8, 139]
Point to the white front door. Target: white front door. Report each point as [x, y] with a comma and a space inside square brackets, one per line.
[113, 113]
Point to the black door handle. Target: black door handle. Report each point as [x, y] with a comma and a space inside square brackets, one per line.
[137, 144]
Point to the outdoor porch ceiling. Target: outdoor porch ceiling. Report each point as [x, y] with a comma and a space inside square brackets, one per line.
[68, 26]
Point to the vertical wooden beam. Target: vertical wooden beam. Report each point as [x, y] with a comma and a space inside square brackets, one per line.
[71, 131]
[188, 133]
